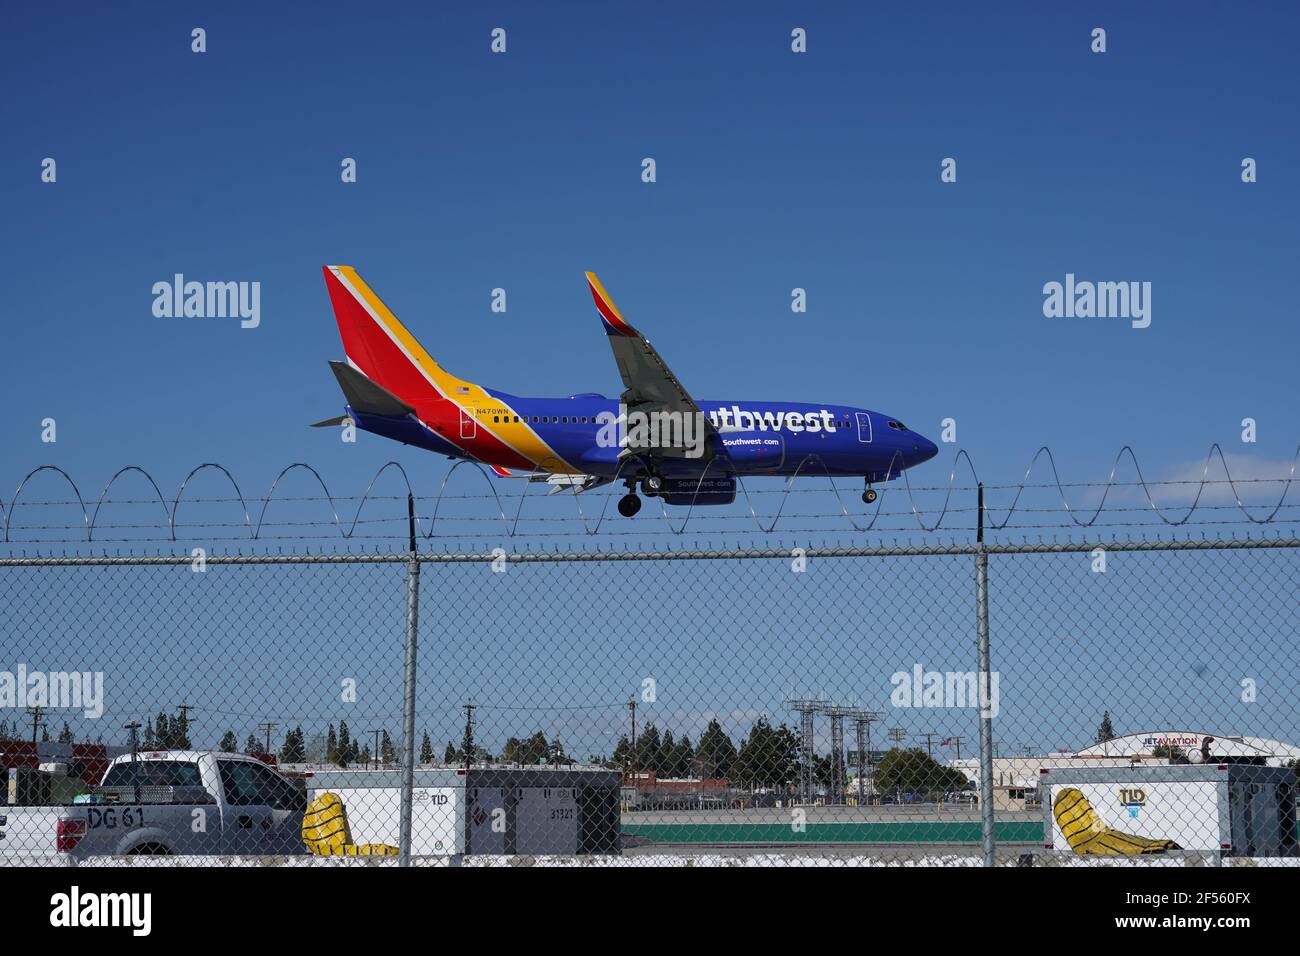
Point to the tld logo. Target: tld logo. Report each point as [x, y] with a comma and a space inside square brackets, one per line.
[1132, 798]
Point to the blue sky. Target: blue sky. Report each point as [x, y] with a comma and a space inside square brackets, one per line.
[775, 171]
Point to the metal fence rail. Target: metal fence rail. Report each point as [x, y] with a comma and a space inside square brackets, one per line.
[923, 703]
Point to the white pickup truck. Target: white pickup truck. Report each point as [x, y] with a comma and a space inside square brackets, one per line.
[191, 802]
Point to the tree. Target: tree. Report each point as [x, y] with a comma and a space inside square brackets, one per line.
[180, 732]
[449, 756]
[149, 742]
[915, 771]
[294, 747]
[648, 749]
[426, 749]
[252, 746]
[1107, 730]
[715, 752]
[331, 746]
[229, 743]
[527, 752]
[387, 753]
[768, 758]
[65, 735]
[1170, 753]
[621, 758]
[345, 756]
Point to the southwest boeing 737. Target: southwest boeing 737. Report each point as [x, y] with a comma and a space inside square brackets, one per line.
[654, 436]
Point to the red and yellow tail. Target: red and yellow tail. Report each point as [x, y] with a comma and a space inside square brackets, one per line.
[383, 350]
[479, 422]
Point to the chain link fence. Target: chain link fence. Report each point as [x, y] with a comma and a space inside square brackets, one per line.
[826, 705]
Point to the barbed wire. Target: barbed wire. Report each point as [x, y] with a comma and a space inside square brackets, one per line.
[592, 522]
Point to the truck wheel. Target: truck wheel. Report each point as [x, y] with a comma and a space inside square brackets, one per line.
[150, 849]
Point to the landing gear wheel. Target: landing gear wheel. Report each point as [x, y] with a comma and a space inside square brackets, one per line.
[629, 505]
[869, 496]
[652, 485]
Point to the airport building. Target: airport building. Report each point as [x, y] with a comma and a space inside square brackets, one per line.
[1015, 779]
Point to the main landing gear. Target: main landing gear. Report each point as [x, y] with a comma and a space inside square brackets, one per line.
[630, 504]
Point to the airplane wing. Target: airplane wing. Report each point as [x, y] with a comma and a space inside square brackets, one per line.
[648, 383]
[559, 481]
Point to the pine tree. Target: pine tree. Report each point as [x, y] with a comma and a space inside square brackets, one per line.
[65, 735]
[294, 748]
[648, 756]
[331, 746]
[150, 741]
[229, 743]
[449, 755]
[252, 746]
[346, 755]
[387, 753]
[1107, 730]
[426, 749]
[715, 752]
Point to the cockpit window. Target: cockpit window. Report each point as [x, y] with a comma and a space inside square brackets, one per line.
[897, 426]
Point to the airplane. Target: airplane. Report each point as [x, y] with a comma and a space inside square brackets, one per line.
[654, 436]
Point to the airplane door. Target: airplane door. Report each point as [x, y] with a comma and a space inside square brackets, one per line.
[468, 424]
[864, 427]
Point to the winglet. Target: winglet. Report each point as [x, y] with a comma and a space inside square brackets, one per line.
[501, 472]
[609, 314]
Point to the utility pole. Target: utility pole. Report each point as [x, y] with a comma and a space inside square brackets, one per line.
[469, 734]
[929, 737]
[896, 736]
[268, 727]
[185, 718]
[956, 742]
[376, 751]
[35, 714]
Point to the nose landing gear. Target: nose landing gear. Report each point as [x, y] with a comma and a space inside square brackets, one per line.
[869, 496]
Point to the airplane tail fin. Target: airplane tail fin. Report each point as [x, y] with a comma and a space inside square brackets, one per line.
[381, 348]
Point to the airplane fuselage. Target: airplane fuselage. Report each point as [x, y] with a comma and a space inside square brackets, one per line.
[574, 436]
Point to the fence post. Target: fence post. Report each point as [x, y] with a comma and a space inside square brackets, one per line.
[985, 684]
[408, 687]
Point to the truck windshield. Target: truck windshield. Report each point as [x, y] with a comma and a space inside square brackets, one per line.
[154, 773]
